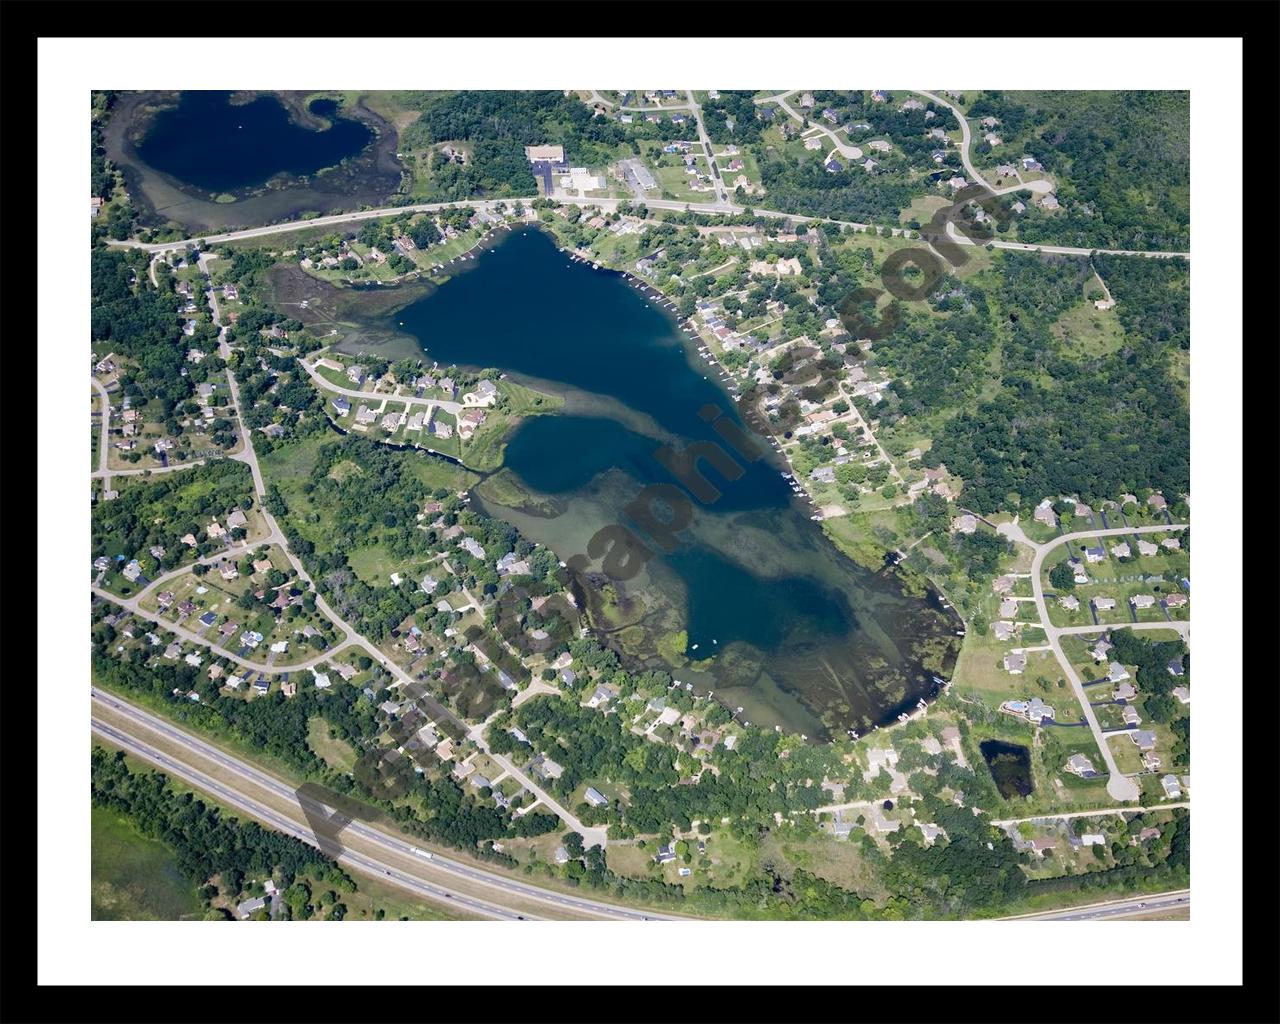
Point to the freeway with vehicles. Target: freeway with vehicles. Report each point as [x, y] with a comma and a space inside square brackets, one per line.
[136, 729]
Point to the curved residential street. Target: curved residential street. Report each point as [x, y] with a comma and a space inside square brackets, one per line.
[378, 396]
[1039, 186]
[845, 149]
[1119, 786]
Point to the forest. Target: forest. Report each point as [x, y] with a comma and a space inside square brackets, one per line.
[1121, 160]
[1095, 427]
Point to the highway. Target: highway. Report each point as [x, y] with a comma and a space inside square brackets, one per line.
[604, 204]
[281, 824]
[1132, 906]
[141, 721]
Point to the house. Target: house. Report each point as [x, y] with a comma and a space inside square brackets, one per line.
[250, 638]
[468, 421]
[1116, 672]
[164, 599]
[1049, 202]
[1034, 710]
[1104, 604]
[1070, 602]
[1093, 839]
[1030, 163]
[215, 530]
[1002, 584]
[472, 548]
[172, 651]
[1131, 716]
[208, 619]
[1170, 784]
[1095, 554]
[1149, 832]
[248, 907]
[186, 608]
[1125, 691]
[1079, 764]
[1145, 739]
[966, 523]
[1142, 600]
[391, 421]
[102, 563]
[1002, 629]
[666, 854]
[595, 798]
[824, 475]
[228, 628]
[1171, 543]
[1015, 662]
[132, 571]
[1100, 649]
[1008, 607]
[228, 571]
[1174, 668]
[1183, 694]
[1121, 550]
[1151, 761]
[341, 406]
[280, 647]
[602, 695]
[1045, 514]
[1158, 502]
[833, 166]
[355, 374]
[261, 565]
[1146, 548]
[830, 115]
[1175, 600]
[365, 415]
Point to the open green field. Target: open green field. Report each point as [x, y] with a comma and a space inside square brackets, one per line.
[334, 751]
[135, 878]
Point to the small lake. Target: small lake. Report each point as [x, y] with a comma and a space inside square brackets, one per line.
[1010, 766]
[216, 145]
[774, 619]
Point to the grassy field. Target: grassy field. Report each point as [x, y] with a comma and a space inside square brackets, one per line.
[334, 751]
[135, 878]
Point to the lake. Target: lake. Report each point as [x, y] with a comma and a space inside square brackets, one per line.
[209, 142]
[775, 619]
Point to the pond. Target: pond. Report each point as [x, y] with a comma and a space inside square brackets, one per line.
[740, 594]
[1010, 766]
[215, 160]
[220, 146]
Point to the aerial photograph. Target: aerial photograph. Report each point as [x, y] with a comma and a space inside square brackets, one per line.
[639, 504]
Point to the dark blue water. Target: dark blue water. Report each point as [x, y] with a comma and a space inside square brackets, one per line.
[754, 583]
[208, 142]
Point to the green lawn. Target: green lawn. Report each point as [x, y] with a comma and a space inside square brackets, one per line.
[135, 878]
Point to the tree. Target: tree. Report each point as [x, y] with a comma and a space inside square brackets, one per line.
[1063, 577]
